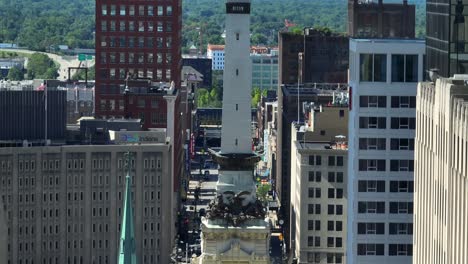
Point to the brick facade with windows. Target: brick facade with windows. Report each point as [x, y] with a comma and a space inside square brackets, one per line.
[137, 40]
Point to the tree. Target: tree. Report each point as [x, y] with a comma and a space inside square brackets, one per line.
[15, 74]
[256, 96]
[262, 192]
[80, 75]
[42, 67]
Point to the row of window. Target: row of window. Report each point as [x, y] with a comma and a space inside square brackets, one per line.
[372, 122]
[136, 42]
[373, 68]
[132, 26]
[316, 160]
[332, 242]
[332, 258]
[332, 209]
[331, 225]
[379, 228]
[378, 250]
[316, 176]
[379, 186]
[333, 193]
[377, 207]
[381, 143]
[132, 10]
[124, 73]
[135, 58]
[380, 165]
[373, 101]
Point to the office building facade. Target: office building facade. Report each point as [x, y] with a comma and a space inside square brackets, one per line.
[216, 54]
[63, 204]
[441, 170]
[287, 113]
[383, 79]
[265, 71]
[376, 19]
[325, 59]
[135, 41]
[318, 190]
[24, 115]
[446, 26]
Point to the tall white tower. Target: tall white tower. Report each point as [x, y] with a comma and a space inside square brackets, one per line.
[236, 229]
[236, 130]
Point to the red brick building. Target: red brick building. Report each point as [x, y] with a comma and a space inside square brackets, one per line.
[135, 40]
[138, 57]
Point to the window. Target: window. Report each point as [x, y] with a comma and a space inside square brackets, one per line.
[131, 10]
[315, 160]
[373, 101]
[313, 241]
[372, 122]
[160, 10]
[141, 10]
[404, 68]
[403, 123]
[237, 36]
[371, 186]
[401, 228]
[402, 186]
[150, 10]
[122, 10]
[371, 228]
[371, 207]
[315, 176]
[400, 249]
[315, 192]
[373, 68]
[401, 165]
[339, 177]
[104, 10]
[372, 143]
[370, 249]
[168, 10]
[371, 165]
[103, 26]
[314, 209]
[401, 207]
[113, 10]
[402, 144]
[403, 101]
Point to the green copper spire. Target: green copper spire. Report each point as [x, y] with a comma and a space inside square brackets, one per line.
[127, 254]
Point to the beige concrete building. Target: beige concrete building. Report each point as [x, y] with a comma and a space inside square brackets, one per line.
[319, 187]
[441, 171]
[64, 203]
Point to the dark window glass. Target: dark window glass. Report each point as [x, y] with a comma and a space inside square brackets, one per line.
[330, 226]
[318, 160]
[339, 177]
[331, 177]
[398, 68]
[339, 161]
[331, 160]
[380, 67]
[366, 65]
[411, 74]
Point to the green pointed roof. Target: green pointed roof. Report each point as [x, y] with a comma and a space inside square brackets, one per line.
[127, 252]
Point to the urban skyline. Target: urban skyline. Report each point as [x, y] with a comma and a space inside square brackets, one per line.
[326, 148]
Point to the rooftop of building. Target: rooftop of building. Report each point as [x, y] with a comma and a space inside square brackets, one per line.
[337, 145]
[326, 89]
[381, 2]
[215, 47]
[388, 40]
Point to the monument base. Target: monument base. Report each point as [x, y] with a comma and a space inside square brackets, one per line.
[248, 243]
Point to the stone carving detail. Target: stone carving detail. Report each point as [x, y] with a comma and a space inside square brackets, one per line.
[233, 211]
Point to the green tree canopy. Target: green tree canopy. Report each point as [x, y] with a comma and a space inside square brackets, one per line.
[15, 74]
[40, 66]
